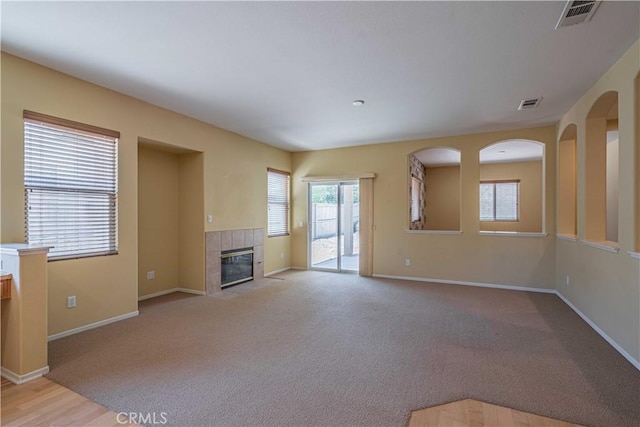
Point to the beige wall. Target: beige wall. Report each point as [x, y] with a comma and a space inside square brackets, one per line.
[235, 183]
[605, 286]
[442, 198]
[191, 229]
[158, 220]
[469, 257]
[530, 209]
[567, 172]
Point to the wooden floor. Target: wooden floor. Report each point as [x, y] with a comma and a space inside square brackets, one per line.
[472, 413]
[42, 402]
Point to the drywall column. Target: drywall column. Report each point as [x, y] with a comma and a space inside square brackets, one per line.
[24, 316]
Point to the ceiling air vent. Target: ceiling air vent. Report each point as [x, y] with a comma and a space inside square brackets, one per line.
[577, 12]
[526, 104]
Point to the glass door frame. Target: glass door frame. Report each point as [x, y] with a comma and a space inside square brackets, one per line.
[339, 204]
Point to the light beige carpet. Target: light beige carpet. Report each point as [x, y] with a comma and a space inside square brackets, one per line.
[323, 349]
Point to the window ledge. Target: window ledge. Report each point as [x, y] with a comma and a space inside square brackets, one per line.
[569, 237]
[512, 234]
[443, 232]
[635, 255]
[605, 246]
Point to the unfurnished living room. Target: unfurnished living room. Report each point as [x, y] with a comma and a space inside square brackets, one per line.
[320, 213]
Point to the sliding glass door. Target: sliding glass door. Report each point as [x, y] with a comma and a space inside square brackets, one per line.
[334, 226]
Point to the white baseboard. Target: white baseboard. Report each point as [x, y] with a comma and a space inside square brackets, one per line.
[606, 337]
[170, 291]
[91, 326]
[595, 327]
[21, 379]
[463, 283]
[271, 273]
[191, 291]
[297, 268]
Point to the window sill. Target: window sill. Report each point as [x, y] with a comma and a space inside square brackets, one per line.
[441, 232]
[568, 237]
[605, 246]
[512, 234]
[278, 235]
[635, 255]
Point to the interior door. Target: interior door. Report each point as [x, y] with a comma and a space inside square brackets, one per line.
[334, 226]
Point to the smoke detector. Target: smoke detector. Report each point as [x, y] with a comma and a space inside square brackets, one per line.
[529, 103]
[577, 12]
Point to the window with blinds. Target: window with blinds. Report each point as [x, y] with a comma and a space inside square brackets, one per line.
[70, 180]
[499, 200]
[415, 199]
[277, 203]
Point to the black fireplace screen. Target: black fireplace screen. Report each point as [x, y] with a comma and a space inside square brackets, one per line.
[237, 266]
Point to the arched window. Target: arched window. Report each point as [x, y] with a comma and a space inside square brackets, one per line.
[434, 189]
[601, 212]
[512, 186]
[567, 182]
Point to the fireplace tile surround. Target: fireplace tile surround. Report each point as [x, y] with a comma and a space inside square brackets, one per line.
[218, 241]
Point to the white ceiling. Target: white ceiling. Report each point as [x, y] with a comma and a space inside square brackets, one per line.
[515, 150]
[438, 157]
[285, 73]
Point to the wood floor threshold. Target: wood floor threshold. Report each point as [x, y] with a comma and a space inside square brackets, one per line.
[42, 402]
[474, 413]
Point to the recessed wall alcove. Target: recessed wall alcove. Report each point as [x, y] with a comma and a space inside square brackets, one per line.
[567, 182]
[601, 212]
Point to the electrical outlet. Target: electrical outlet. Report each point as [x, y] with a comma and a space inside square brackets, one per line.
[407, 262]
[151, 275]
[209, 218]
[281, 255]
[71, 301]
[567, 280]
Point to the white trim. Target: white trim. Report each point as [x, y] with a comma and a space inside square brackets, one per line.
[157, 294]
[191, 291]
[449, 232]
[298, 268]
[606, 337]
[463, 283]
[91, 326]
[22, 249]
[635, 255]
[170, 291]
[595, 327]
[271, 273]
[21, 379]
[603, 246]
[337, 177]
[512, 234]
[568, 237]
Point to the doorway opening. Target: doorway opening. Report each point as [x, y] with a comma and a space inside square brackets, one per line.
[334, 226]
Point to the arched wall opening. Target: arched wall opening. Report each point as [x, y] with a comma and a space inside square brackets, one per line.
[601, 210]
[511, 185]
[567, 182]
[434, 189]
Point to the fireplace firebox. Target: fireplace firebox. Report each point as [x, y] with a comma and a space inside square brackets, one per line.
[236, 266]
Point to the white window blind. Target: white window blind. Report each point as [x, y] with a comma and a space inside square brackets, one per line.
[499, 201]
[70, 187]
[415, 199]
[277, 203]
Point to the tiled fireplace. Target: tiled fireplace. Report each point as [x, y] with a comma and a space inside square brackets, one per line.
[218, 241]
